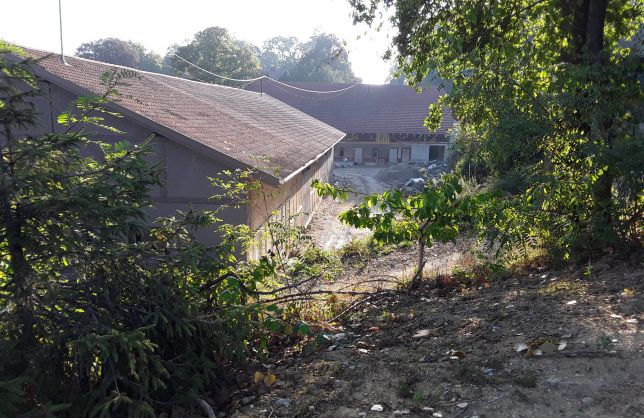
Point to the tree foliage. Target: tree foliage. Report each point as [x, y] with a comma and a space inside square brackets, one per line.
[279, 55]
[433, 215]
[101, 314]
[119, 52]
[323, 58]
[216, 50]
[551, 93]
[397, 77]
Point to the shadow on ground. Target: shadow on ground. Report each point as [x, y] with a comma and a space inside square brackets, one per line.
[454, 354]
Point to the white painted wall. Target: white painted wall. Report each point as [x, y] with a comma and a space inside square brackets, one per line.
[393, 155]
[358, 155]
[420, 152]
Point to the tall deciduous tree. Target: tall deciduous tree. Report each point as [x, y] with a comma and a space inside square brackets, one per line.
[397, 77]
[216, 50]
[323, 58]
[119, 52]
[279, 55]
[550, 81]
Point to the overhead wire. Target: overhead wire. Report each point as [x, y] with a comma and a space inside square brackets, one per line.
[243, 86]
[313, 91]
[308, 96]
[250, 80]
[263, 77]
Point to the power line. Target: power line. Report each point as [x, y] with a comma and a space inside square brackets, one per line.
[250, 80]
[308, 96]
[313, 91]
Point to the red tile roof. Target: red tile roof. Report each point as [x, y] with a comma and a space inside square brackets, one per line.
[258, 131]
[364, 109]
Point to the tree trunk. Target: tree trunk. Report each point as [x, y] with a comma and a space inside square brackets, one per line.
[574, 23]
[584, 21]
[418, 275]
[595, 28]
[422, 243]
[421, 259]
[602, 189]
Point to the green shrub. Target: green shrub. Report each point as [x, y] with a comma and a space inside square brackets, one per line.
[315, 262]
[435, 214]
[92, 322]
[361, 248]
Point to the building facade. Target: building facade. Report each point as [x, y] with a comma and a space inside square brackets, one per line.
[385, 124]
[387, 148]
[198, 130]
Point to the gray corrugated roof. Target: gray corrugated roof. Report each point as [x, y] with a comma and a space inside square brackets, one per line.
[259, 131]
[366, 108]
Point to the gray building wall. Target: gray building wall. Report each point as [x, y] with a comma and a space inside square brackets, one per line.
[293, 202]
[389, 153]
[185, 173]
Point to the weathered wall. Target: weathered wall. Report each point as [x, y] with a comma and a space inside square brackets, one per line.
[368, 149]
[293, 202]
[184, 171]
[185, 174]
[420, 152]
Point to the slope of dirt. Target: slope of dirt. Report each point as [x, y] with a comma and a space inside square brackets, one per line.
[436, 352]
[401, 263]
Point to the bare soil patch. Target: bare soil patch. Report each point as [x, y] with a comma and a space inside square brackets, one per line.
[400, 263]
[325, 228]
[441, 352]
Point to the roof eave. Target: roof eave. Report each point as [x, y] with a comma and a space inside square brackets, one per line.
[317, 157]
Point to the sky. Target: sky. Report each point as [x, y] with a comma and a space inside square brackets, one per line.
[159, 23]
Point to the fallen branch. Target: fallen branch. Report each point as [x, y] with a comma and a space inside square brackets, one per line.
[206, 408]
[307, 295]
[358, 303]
[589, 353]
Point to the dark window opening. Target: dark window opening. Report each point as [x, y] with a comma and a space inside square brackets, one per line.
[436, 152]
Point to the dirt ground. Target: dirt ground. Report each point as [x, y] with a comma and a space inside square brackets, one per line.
[325, 228]
[400, 265]
[437, 352]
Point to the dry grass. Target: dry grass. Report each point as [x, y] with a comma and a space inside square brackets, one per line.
[564, 288]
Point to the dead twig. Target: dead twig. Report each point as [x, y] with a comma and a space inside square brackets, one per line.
[287, 287]
[356, 284]
[307, 295]
[358, 303]
[206, 408]
[589, 353]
